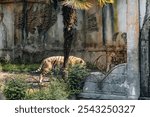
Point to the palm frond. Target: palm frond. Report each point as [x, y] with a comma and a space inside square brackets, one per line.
[78, 4]
[85, 4]
[104, 2]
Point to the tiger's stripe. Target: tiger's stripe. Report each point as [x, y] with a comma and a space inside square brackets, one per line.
[51, 62]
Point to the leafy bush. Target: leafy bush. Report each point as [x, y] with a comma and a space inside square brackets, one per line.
[5, 59]
[91, 66]
[56, 90]
[15, 89]
[59, 89]
[76, 78]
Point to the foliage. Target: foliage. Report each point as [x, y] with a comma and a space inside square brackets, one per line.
[91, 66]
[59, 89]
[86, 4]
[76, 78]
[19, 67]
[15, 89]
[56, 90]
[5, 59]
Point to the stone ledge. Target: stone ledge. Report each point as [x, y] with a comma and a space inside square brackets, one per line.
[97, 96]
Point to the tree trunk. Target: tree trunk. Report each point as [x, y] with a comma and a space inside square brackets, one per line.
[69, 21]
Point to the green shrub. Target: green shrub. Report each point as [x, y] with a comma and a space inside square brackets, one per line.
[56, 90]
[76, 78]
[4, 60]
[15, 89]
[91, 66]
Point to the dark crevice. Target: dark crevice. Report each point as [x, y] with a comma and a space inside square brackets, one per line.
[24, 22]
[149, 64]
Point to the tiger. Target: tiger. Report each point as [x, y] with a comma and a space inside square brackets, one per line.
[48, 64]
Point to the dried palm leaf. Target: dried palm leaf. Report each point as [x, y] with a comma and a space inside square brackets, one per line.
[104, 2]
[78, 4]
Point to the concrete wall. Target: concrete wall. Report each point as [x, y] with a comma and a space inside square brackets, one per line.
[35, 30]
[107, 36]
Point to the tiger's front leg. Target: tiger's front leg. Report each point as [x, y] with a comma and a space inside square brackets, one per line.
[41, 78]
[42, 75]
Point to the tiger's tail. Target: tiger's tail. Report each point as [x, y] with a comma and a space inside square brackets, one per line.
[40, 68]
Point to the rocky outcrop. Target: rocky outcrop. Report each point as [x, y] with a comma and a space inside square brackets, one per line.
[112, 85]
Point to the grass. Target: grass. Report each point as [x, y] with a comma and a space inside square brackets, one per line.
[20, 71]
[56, 89]
[18, 67]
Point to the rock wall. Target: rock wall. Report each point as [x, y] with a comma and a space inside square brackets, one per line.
[112, 85]
[35, 30]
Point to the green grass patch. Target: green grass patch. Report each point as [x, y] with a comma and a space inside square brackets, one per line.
[19, 67]
[56, 89]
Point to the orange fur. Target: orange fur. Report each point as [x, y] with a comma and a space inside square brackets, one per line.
[49, 63]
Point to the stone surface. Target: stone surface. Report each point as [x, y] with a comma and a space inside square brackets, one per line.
[39, 32]
[133, 73]
[91, 84]
[112, 85]
[92, 41]
[145, 69]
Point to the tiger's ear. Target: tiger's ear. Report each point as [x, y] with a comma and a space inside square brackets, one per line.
[124, 36]
[81, 61]
[115, 36]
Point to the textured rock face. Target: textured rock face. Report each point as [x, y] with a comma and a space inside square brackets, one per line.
[35, 30]
[112, 85]
[92, 82]
[145, 50]
[115, 81]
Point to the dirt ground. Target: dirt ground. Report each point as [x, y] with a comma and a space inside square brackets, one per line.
[5, 75]
[34, 78]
